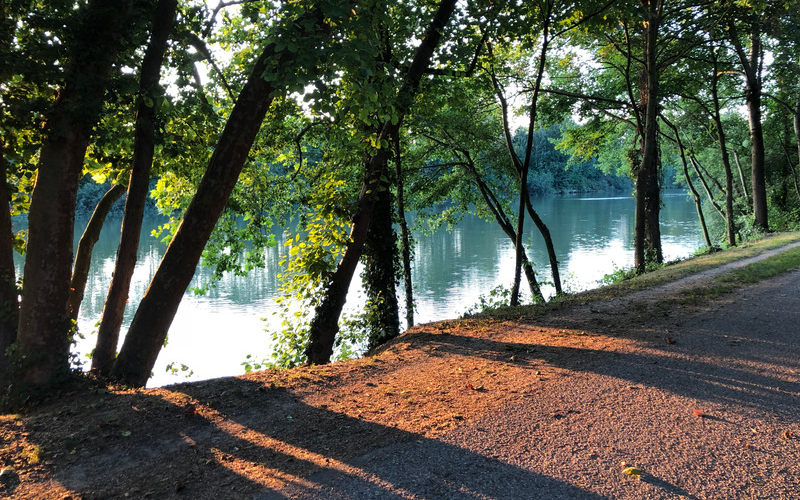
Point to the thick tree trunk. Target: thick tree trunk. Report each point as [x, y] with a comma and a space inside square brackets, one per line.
[405, 237]
[157, 308]
[83, 256]
[325, 324]
[647, 237]
[44, 325]
[380, 273]
[9, 301]
[751, 63]
[143, 149]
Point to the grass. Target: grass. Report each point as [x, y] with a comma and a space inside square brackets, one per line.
[726, 283]
[749, 274]
[765, 269]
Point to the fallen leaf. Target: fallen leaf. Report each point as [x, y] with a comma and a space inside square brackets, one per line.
[670, 340]
[470, 387]
[126, 433]
[698, 413]
[190, 409]
[632, 471]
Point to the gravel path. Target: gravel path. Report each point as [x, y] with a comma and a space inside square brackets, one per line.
[713, 413]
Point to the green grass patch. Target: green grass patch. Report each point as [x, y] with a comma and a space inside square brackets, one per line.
[683, 268]
[765, 269]
[676, 270]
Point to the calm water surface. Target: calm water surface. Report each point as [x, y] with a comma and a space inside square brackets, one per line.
[213, 334]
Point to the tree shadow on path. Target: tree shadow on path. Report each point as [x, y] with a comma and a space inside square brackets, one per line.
[265, 443]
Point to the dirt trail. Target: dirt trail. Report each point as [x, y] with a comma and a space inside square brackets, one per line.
[703, 401]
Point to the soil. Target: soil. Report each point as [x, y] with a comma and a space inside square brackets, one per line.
[644, 396]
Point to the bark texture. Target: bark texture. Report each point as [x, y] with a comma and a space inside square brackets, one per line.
[647, 236]
[44, 326]
[751, 64]
[380, 273]
[325, 324]
[9, 302]
[143, 147]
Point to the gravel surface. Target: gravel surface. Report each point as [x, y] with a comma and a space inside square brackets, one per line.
[713, 414]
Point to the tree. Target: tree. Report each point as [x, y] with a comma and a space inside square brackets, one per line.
[324, 326]
[138, 186]
[463, 160]
[626, 85]
[752, 63]
[42, 337]
[276, 69]
[552, 20]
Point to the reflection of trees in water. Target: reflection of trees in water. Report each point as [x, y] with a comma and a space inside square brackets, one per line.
[451, 268]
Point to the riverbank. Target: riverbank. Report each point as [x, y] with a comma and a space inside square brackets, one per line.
[693, 381]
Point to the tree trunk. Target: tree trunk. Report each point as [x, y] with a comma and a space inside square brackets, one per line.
[751, 63]
[647, 238]
[741, 175]
[723, 148]
[759, 186]
[44, 324]
[380, 273]
[157, 308]
[695, 195]
[405, 238]
[524, 197]
[143, 147]
[325, 324]
[83, 257]
[548, 244]
[9, 301]
[519, 166]
[505, 224]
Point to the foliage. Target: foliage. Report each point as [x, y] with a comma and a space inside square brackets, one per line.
[497, 298]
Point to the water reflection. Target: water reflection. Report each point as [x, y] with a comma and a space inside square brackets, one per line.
[212, 334]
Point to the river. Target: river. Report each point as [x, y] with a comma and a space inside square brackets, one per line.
[212, 334]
